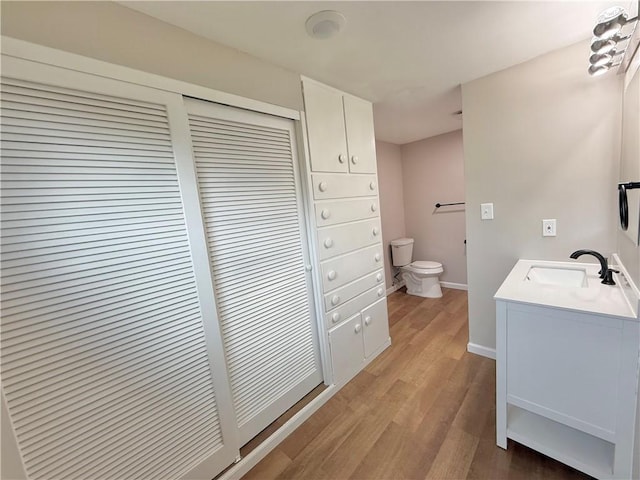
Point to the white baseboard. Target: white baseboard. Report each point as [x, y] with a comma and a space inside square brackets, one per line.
[481, 350]
[395, 287]
[457, 286]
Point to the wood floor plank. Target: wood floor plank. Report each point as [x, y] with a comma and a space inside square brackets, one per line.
[455, 456]
[271, 466]
[425, 408]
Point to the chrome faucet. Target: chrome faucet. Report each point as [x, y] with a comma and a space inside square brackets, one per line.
[606, 273]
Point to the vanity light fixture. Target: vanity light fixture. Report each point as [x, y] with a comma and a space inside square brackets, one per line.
[608, 43]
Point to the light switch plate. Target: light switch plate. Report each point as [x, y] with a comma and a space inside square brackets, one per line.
[549, 227]
[486, 211]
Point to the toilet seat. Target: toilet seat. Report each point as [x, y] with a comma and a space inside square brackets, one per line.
[424, 267]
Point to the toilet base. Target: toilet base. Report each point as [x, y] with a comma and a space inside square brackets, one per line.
[427, 286]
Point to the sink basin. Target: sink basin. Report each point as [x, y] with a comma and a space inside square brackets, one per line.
[562, 277]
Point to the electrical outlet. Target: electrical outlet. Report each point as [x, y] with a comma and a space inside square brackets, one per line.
[486, 211]
[549, 227]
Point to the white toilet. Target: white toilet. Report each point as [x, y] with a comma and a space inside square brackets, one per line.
[420, 277]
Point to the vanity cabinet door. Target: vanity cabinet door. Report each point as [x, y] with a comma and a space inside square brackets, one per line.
[346, 349]
[375, 326]
[325, 129]
[358, 116]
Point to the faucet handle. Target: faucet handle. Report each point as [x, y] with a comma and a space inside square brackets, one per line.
[608, 276]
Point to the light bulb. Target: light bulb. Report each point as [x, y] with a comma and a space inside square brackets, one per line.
[610, 22]
[603, 46]
[594, 71]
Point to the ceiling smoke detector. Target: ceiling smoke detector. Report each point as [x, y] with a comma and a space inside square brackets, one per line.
[325, 24]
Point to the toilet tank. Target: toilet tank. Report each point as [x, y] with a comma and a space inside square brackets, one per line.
[401, 251]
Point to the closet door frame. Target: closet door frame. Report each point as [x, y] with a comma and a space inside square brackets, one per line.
[20, 49]
[61, 76]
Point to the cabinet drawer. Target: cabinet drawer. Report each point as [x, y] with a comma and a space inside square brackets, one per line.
[338, 186]
[341, 270]
[342, 211]
[345, 238]
[375, 324]
[353, 306]
[343, 294]
[346, 350]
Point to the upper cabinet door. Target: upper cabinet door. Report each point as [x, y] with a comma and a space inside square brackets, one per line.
[325, 128]
[358, 116]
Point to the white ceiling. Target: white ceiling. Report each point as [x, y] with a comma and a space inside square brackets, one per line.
[409, 58]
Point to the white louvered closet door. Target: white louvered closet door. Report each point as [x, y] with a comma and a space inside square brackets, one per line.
[246, 168]
[108, 370]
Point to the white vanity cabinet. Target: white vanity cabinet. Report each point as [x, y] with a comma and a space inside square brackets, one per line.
[343, 187]
[340, 130]
[567, 377]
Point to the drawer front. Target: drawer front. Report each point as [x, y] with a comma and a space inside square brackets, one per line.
[342, 211]
[345, 238]
[341, 270]
[346, 350]
[351, 290]
[337, 186]
[375, 325]
[353, 306]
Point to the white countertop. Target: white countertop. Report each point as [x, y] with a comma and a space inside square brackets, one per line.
[594, 298]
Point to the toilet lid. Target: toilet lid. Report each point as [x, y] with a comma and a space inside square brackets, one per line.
[426, 264]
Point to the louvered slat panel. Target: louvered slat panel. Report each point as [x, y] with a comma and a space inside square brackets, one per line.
[247, 186]
[104, 363]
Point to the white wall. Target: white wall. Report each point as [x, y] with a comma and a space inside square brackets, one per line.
[110, 32]
[391, 200]
[433, 172]
[541, 140]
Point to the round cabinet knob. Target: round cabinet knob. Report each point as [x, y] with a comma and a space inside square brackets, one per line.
[322, 186]
[328, 243]
[375, 231]
[309, 268]
[332, 275]
[325, 213]
[342, 158]
[367, 321]
[374, 207]
[358, 328]
[354, 159]
[372, 185]
[380, 293]
[335, 300]
[335, 318]
[377, 257]
[379, 277]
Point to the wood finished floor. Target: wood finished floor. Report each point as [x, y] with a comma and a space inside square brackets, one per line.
[425, 408]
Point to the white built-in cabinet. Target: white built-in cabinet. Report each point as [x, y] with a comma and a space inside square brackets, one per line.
[158, 308]
[340, 130]
[344, 190]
